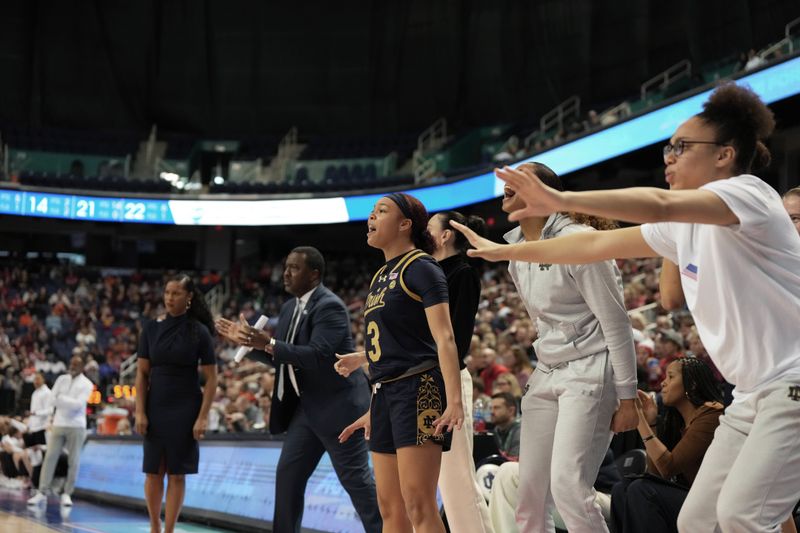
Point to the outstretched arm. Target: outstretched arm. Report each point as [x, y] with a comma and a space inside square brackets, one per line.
[579, 248]
[638, 205]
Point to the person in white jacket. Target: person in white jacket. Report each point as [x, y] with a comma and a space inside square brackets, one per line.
[584, 386]
[71, 393]
[40, 413]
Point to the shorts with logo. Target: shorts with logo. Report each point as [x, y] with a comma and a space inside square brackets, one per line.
[403, 412]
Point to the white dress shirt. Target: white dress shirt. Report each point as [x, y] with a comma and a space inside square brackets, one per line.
[41, 409]
[297, 316]
[70, 396]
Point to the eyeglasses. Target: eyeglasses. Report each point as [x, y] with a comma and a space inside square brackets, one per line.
[679, 146]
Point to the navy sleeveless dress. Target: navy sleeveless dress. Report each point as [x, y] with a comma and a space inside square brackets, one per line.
[175, 346]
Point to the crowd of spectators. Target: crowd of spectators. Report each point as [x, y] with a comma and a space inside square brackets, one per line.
[50, 312]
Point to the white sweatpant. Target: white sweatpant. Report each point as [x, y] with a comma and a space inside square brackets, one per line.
[464, 503]
[504, 498]
[750, 476]
[566, 430]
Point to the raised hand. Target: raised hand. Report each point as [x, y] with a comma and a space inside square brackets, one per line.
[242, 333]
[483, 248]
[540, 200]
[647, 407]
[349, 363]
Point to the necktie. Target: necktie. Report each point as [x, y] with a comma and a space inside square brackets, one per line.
[290, 339]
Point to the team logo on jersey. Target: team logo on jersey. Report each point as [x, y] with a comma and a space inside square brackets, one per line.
[429, 408]
[794, 392]
[545, 266]
[374, 301]
[690, 271]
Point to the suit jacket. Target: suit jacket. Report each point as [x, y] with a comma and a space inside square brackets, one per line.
[330, 401]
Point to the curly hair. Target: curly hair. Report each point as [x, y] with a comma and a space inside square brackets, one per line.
[742, 120]
[551, 179]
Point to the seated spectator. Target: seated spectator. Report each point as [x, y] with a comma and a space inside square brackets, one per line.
[124, 427]
[521, 365]
[511, 151]
[504, 495]
[692, 401]
[488, 368]
[16, 461]
[754, 60]
[507, 382]
[668, 347]
[507, 426]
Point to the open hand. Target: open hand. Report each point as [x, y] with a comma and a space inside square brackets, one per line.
[483, 248]
[242, 333]
[647, 407]
[362, 423]
[452, 418]
[540, 200]
[349, 363]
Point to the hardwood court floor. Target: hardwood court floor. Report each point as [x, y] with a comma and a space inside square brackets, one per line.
[83, 517]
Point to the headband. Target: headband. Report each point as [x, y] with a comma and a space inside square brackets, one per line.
[402, 203]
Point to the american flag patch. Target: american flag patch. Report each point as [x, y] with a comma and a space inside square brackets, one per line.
[393, 275]
[690, 271]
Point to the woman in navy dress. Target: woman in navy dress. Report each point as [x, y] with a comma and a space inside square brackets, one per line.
[171, 410]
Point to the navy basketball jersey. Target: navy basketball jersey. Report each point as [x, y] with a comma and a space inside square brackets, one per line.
[397, 333]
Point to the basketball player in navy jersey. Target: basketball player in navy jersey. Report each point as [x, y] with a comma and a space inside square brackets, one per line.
[413, 366]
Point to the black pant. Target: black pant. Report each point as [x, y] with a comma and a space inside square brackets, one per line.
[646, 505]
[302, 450]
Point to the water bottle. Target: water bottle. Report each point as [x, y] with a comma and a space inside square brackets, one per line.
[479, 416]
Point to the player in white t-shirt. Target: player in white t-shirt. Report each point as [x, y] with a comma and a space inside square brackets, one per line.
[738, 256]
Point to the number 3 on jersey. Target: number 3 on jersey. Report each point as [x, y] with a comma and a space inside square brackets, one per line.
[373, 337]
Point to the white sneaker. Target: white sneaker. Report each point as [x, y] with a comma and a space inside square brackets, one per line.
[66, 500]
[37, 498]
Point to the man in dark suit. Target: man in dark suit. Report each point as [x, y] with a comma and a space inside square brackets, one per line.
[310, 401]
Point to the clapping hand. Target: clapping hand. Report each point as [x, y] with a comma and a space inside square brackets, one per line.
[242, 333]
[648, 410]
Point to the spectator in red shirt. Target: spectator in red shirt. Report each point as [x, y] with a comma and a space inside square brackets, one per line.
[488, 369]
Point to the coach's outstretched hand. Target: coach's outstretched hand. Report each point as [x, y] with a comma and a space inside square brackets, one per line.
[483, 248]
[540, 200]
